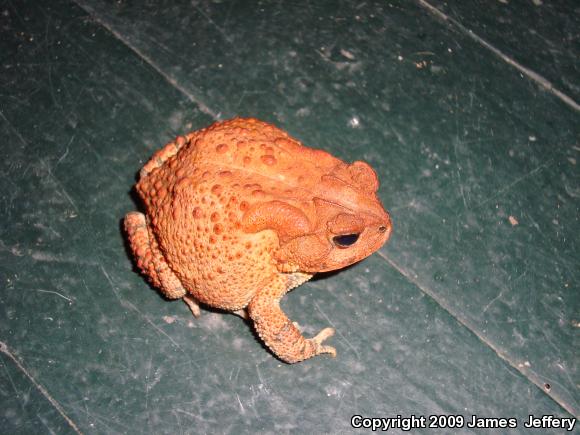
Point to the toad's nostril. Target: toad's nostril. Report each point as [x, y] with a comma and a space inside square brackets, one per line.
[382, 229]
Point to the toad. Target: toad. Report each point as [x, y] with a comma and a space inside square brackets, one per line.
[239, 213]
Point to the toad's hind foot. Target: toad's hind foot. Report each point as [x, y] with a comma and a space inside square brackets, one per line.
[243, 313]
[193, 305]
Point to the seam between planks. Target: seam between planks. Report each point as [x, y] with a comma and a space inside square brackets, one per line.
[6, 351]
[194, 99]
[465, 322]
[530, 74]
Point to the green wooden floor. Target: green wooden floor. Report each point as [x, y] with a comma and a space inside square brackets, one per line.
[467, 110]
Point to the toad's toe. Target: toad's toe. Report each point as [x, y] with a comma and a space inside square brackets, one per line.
[319, 338]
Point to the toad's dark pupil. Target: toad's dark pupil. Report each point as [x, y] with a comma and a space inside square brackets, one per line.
[345, 240]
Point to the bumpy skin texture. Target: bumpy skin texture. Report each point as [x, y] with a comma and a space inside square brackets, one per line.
[239, 213]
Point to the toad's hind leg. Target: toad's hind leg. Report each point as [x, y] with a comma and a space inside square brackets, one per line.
[277, 330]
[149, 258]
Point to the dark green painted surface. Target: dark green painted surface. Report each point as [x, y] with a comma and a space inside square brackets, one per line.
[462, 312]
[541, 35]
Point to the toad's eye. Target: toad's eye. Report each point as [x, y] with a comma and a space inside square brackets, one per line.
[345, 240]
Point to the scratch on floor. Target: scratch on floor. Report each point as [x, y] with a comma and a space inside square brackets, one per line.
[49, 257]
[6, 351]
[46, 426]
[55, 293]
[468, 324]
[532, 75]
[243, 410]
[500, 294]
[125, 303]
[147, 386]
[461, 190]
[262, 382]
[459, 178]
[194, 99]
[101, 419]
[61, 158]
[516, 181]
[213, 23]
[193, 416]
[14, 129]
[56, 181]
[11, 381]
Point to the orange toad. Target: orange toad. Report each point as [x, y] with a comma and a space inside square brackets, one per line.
[239, 213]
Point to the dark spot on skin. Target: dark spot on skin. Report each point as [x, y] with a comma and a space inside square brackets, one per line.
[382, 229]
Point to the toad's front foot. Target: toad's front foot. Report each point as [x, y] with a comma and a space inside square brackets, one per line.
[319, 338]
[279, 333]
